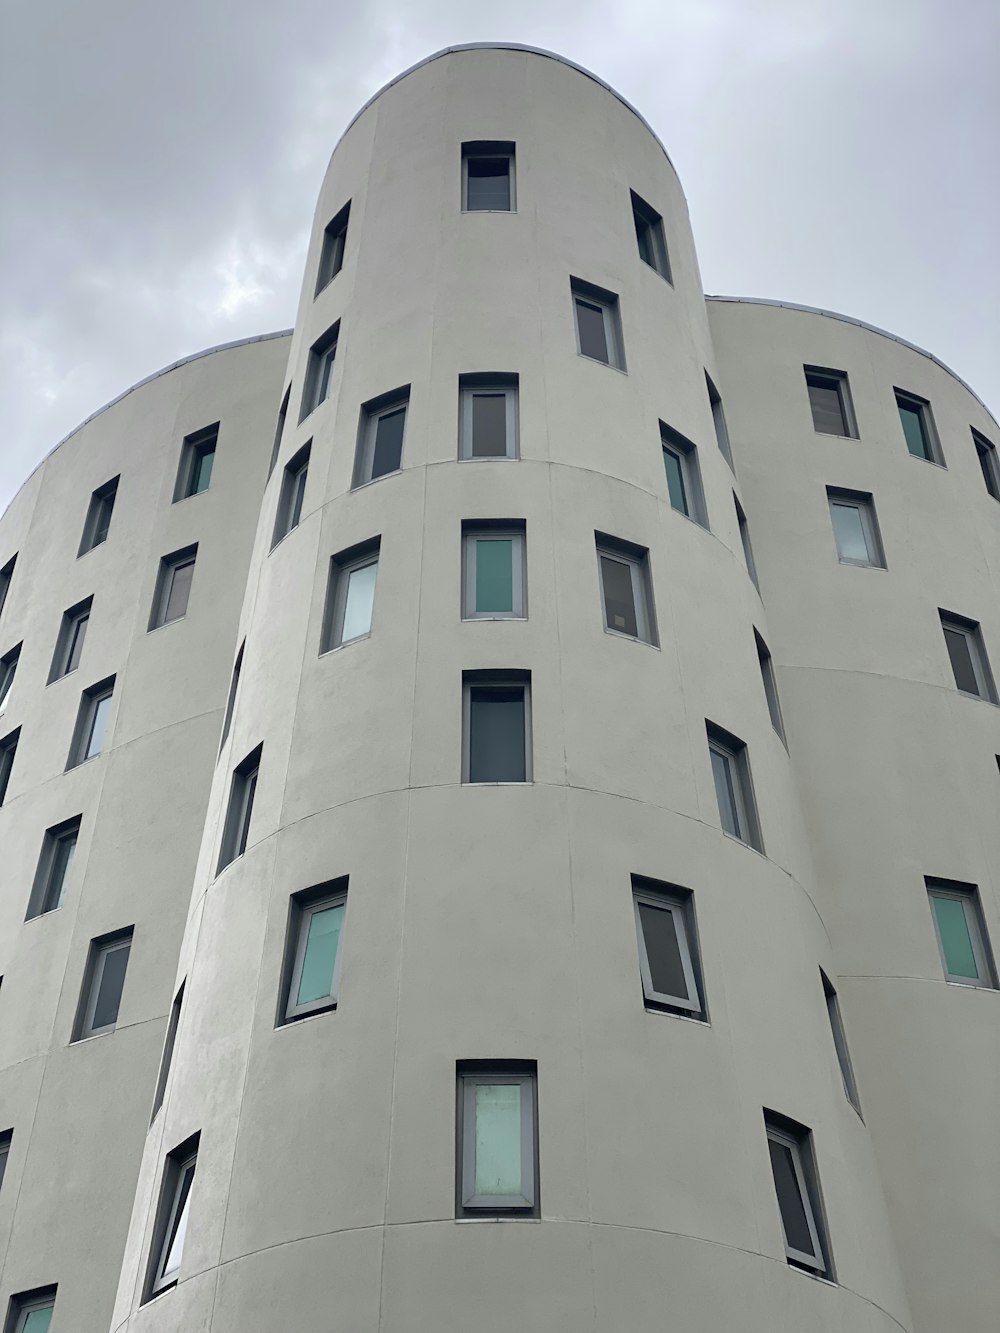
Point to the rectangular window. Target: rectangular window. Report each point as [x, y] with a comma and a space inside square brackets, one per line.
[964, 639]
[98, 520]
[494, 576]
[496, 718]
[173, 587]
[796, 1184]
[52, 872]
[668, 947]
[987, 454]
[497, 1138]
[855, 528]
[719, 420]
[626, 595]
[234, 685]
[961, 933]
[313, 948]
[331, 259]
[6, 574]
[680, 462]
[240, 810]
[8, 670]
[104, 981]
[770, 684]
[319, 371]
[6, 1138]
[91, 723]
[69, 642]
[830, 401]
[380, 436]
[8, 749]
[488, 177]
[166, 1059]
[598, 324]
[31, 1311]
[744, 527]
[734, 786]
[487, 416]
[172, 1213]
[350, 595]
[293, 489]
[650, 236]
[918, 427]
[279, 430]
[194, 472]
[840, 1041]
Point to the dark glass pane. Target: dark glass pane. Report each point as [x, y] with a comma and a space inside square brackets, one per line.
[590, 324]
[961, 660]
[388, 443]
[4, 1153]
[827, 408]
[489, 184]
[102, 520]
[988, 463]
[643, 234]
[109, 992]
[793, 1213]
[98, 727]
[489, 425]
[663, 953]
[180, 587]
[62, 859]
[675, 481]
[722, 772]
[913, 428]
[77, 632]
[173, 1250]
[323, 372]
[496, 734]
[494, 575]
[298, 491]
[249, 790]
[619, 603]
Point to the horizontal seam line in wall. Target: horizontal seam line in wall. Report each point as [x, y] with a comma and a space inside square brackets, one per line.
[882, 675]
[908, 976]
[55, 1046]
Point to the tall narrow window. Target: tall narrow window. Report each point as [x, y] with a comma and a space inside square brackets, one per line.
[734, 786]
[240, 810]
[855, 528]
[744, 527]
[6, 1138]
[69, 642]
[350, 595]
[170, 1230]
[830, 401]
[331, 259]
[986, 451]
[668, 950]
[626, 595]
[496, 716]
[279, 430]
[8, 749]
[488, 177]
[194, 472]
[650, 236]
[103, 983]
[719, 420]
[8, 669]
[680, 462]
[293, 490]
[52, 873]
[98, 520]
[173, 587]
[380, 436]
[312, 950]
[497, 1138]
[234, 685]
[6, 574]
[964, 640]
[493, 570]
[840, 1041]
[918, 427]
[961, 933]
[166, 1058]
[796, 1184]
[319, 371]
[91, 722]
[31, 1311]
[770, 684]
[487, 416]
[598, 323]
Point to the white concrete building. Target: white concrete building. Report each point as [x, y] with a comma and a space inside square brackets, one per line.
[585, 922]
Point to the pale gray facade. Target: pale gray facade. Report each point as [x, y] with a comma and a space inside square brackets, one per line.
[788, 758]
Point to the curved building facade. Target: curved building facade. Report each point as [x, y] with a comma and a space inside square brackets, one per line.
[529, 823]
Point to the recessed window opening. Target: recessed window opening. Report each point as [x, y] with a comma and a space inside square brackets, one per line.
[598, 323]
[350, 595]
[194, 474]
[314, 943]
[796, 1184]
[497, 1138]
[381, 434]
[734, 786]
[166, 1058]
[669, 960]
[855, 528]
[234, 685]
[961, 933]
[488, 177]
[967, 652]
[8, 670]
[170, 1230]
[496, 717]
[986, 452]
[680, 462]
[236, 831]
[319, 370]
[6, 1139]
[626, 595]
[650, 236]
[6, 574]
[292, 495]
[98, 520]
[52, 872]
[173, 587]
[8, 749]
[744, 530]
[830, 401]
[31, 1311]
[770, 684]
[69, 642]
[91, 722]
[719, 420]
[840, 1041]
[493, 569]
[331, 259]
[918, 427]
[279, 430]
[104, 982]
[487, 416]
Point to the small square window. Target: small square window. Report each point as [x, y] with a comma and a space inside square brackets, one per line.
[626, 595]
[240, 809]
[6, 574]
[734, 786]
[796, 1183]
[91, 723]
[381, 433]
[668, 947]
[54, 861]
[598, 324]
[770, 684]
[234, 685]
[988, 462]
[487, 416]
[8, 749]
[855, 528]
[964, 640]
[650, 236]
[331, 259]
[98, 520]
[497, 1139]
[488, 177]
[719, 420]
[279, 430]
[840, 1041]
[311, 980]
[830, 401]
[293, 489]
[319, 371]
[493, 570]
[170, 1230]
[496, 726]
[680, 462]
[918, 427]
[104, 981]
[69, 642]
[31, 1311]
[961, 933]
[350, 595]
[8, 670]
[194, 472]
[167, 1056]
[173, 587]
[744, 527]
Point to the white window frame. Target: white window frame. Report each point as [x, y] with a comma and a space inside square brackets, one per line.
[291, 496]
[103, 499]
[470, 1203]
[473, 532]
[686, 454]
[100, 952]
[989, 463]
[342, 566]
[839, 380]
[334, 245]
[681, 910]
[818, 1261]
[609, 306]
[864, 503]
[914, 403]
[320, 362]
[499, 150]
[177, 1170]
[840, 1041]
[371, 415]
[506, 386]
[968, 896]
[734, 753]
[304, 907]
[653, 222]
[86, 723]
[497, 681]
[637, 562]
[972, 632]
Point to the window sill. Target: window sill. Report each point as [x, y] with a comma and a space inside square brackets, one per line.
[284, 537]
[980, 698]
[492, 620]
[96, 547]
[193, 496]
[933, 461]
[861, 564]
[691, 518]
[56, 679]
[496, 1217]
[166, 624]
[813, 1277]
[297, 1019]
[832, 435]
[372, 481]
[653, 269]
[528, 782]
[490, 458]
[971, 985]
[598, 362]
[663, 1011]
[348, 643]
[91, 1036]
[740, 842]
[630, 638]
[327, 285]
[494, 211]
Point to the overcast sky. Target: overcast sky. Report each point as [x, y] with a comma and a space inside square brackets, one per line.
[160, 164]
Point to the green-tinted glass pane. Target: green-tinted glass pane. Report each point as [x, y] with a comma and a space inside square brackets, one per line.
[498, 1138]
[494, 575]
[38, 1321]
[959, 959]
[202, 472]
[675, 480]
[316, 981]
[913, 429]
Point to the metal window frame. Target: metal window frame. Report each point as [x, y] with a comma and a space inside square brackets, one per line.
[178, 1169]
[86, 722]
[320, 361]
[680, 907]
[637, 561]
[279, 430]
[770, 685]
[972, 632]
[483, 149]
[989, 463]
[371, 415]
[72, 632]
[25, 1304]
[840, 1041]
[194, 447]
[474, 532]
[8, 753]
[8, 670]
[6, 1139]
[799, 1145]
[610, 307]
[719, 421]
[508, 1075]
[167, 1054]
[234, 685]
[169, 567]
[99, 952]
[6, 576]
[685, 451]
[496, 680]
[743, 528]
[839, 380]
[653, 222]
[302, 908]
[291, 496]
[864, 503]
[331, 257]
[342, 566]
[44, 884]
[921, 406]
[972, 907]
[239, 811]
[507, 386]
[101, 500]
[734, 752]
